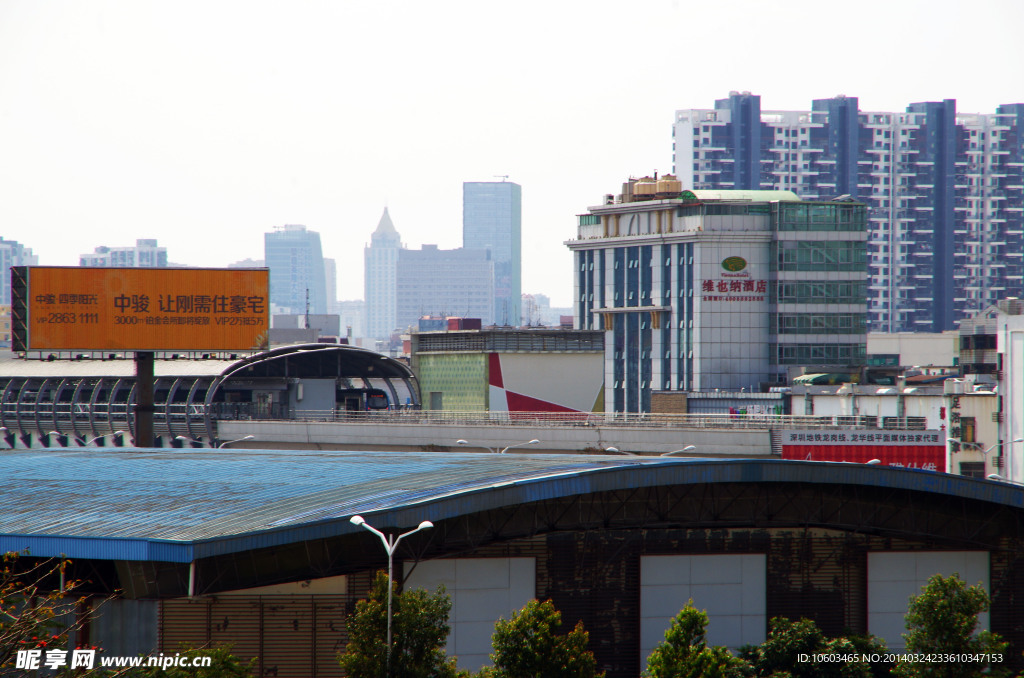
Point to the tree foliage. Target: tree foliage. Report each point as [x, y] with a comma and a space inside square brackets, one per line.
[32, 615]
[685, 653]
[223, 664]
[419, 631]
[780, 655]
[943, 619]
[529, 646]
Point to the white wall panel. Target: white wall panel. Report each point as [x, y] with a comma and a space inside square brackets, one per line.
[731, 588]
[894, 577]
[482, 591]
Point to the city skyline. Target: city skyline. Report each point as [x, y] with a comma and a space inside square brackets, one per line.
[121, 121]
[943, 190]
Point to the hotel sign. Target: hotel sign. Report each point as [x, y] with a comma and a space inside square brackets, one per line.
[736, 284]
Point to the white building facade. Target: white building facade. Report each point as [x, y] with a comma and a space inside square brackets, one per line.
[729, 290]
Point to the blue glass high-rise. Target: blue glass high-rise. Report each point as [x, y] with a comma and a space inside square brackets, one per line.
[492, 220]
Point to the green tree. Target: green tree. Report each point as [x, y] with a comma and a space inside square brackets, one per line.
[944, 619]
[685, 653]
[419, 632]
[223, 664]
[529, 646]
[32, 614]
[790, 646]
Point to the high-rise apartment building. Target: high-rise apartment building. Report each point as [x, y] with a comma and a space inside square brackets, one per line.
[380, 278]
[12, 253]
[432, 281]
[719, 290]
[296, 263]
[945, 191]
[492, 220]
[145, 254]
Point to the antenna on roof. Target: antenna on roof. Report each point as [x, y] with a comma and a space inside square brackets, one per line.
[503, 177]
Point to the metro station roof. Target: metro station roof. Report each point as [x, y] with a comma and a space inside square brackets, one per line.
[178, 505]
[338, 358]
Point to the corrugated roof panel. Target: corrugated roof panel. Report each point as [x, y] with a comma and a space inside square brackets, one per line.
[177, 505]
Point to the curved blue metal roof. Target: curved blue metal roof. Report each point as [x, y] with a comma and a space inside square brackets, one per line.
[180, 505]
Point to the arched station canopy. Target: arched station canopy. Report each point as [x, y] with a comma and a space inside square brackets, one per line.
[91, 400]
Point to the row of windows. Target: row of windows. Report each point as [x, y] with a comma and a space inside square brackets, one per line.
[820, 323]
[793, 216]
[823, 354]
[805, 255]
[818, 292]
[726, 209]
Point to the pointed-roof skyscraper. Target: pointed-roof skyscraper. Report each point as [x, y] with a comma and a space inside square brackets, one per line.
[381, 269]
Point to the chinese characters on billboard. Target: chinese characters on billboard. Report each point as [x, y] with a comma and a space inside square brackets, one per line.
[145, 309]
[910, 449]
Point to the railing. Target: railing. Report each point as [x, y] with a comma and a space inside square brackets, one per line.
[549, 419]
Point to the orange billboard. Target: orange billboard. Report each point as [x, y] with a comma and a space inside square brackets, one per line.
[146, 309]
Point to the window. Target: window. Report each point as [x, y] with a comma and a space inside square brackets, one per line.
[967, 429]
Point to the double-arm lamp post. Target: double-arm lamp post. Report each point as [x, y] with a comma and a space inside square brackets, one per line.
[390, 543]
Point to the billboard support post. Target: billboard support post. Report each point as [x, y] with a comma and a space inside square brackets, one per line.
[144, 399]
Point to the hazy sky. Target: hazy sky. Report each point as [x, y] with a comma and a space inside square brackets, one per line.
[206, 124]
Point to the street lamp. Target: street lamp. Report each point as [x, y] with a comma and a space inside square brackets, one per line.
[390, 544]
[494, 449]
[236, 440]
[531, 442]
[1002, 479]
[977, 446]
[688, 448]
[616, 450]
[82, 440]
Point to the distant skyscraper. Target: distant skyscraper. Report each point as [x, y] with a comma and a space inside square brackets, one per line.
[432, 281]
[944, 191]
[380, 271]
[145, 254]
[296, 265]
[12, 254]
[492, 220]
[249, 263]
[353, 318]
[331, 280]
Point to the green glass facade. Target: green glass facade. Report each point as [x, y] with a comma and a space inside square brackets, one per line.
[461, 377]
